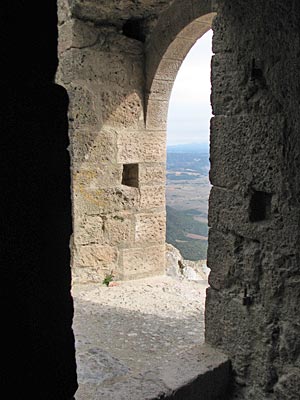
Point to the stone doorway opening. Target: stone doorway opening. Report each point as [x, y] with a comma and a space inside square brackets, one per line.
[188, 163]
[126, 336]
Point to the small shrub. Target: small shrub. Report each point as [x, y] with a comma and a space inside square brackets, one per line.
[108, 278]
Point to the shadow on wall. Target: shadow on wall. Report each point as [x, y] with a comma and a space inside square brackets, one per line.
[104, 72]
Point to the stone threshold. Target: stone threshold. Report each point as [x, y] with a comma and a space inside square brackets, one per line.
[201, 373]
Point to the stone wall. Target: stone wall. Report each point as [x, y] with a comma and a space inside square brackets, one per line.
[119, 72]
[116, 76]
[118, 167]
[252, 306]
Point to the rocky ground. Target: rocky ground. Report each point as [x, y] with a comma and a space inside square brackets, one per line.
[133, 328]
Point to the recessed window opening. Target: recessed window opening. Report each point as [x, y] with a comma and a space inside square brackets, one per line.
[130, 175]
[260, 206]
[188, 186]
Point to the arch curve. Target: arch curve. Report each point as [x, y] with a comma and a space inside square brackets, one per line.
[176, 32]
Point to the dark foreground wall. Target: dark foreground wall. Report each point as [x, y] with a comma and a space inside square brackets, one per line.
[37, 356]
[253, 306]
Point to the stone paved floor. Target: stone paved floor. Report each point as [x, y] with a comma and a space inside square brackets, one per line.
[132, 329]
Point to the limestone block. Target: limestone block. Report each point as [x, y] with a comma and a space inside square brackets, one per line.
[152, 174]
[114, 12]
[157, 112]
[95, 256]
[225, 77]
[233, 258]
[88, 229]
[116, 42]
[161, 89]
[227, 208]
[175, 19]
[96, 65]
[105, 200]
[247, 150]
[167, 69]
[234, 90]
[135, 147]
[104, 63]
[196, 29]
[150, 228]
[288, 385]
[118, 229]
[76, 34]
[152, 197]
[93, 146]
[82, 110]
[152, 61]
[179, 48]
[221, 257]
[229, 325]
[90, 177]
[121, 109]
[142, 262]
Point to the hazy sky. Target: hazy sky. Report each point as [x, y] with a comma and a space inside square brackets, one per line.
[189, 106]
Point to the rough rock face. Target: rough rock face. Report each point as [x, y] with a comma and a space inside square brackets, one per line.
[117, 12]
[177, 267]
[252, 306]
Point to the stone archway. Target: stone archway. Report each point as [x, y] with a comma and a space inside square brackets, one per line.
[119, 84]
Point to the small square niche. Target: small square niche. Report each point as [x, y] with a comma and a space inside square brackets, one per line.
[130, 176]
[260, 206]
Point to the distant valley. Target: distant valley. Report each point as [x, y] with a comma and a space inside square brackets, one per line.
[187, 194]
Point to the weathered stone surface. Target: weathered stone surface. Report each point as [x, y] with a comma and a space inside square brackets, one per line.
[104, 175]
[247, 140]
[221, 257]
[134, 147]
[119, 229]
[82, 110]
[157, 111]
[161, 89]
[179, 268]
[122, 110]
[142, 262]
[152, 197]
[114, 13]
[118, 84]
[93, 146]
[89, 230]
[253, 252]
[106, 200]
[288, 387]
[150, 228]
[77, 34]
[152, 174]
[95, 256]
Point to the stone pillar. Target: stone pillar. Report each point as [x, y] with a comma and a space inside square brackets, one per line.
[252, 305]
[117, 167]
[38, 356]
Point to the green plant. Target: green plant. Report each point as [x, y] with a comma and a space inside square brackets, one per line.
[108, 278]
